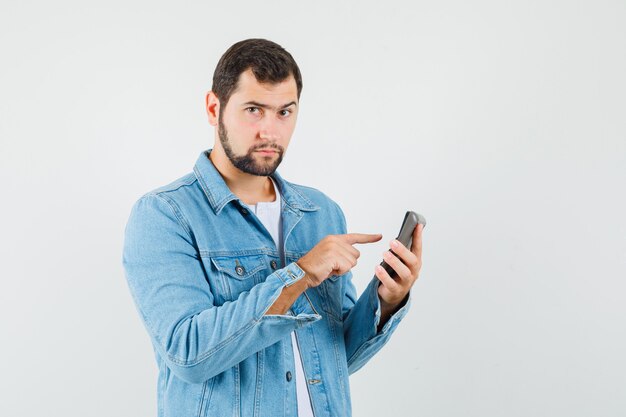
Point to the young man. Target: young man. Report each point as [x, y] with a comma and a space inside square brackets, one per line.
[243, 279]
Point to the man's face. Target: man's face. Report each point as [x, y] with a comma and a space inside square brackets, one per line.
[256, 125]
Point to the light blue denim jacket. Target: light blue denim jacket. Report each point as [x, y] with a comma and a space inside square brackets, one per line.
[203, 271]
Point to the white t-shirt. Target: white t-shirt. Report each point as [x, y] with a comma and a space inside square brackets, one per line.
[269, 212]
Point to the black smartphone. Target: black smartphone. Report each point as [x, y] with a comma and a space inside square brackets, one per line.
[410, 222]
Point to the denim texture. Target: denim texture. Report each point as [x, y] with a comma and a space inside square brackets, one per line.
[203, 270]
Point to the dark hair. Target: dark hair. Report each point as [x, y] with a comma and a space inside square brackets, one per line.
[268, 61]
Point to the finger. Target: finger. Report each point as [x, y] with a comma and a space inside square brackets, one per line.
[403, 271]
[350, 249]
[344, 259]
[353, 238]
[402, 251]
[385, 279]
[345, 262]
[408, 257]
[348, 252]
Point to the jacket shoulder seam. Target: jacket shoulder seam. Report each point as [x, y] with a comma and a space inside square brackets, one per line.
[180, 218]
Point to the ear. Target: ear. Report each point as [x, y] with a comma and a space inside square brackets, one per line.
[212, 107]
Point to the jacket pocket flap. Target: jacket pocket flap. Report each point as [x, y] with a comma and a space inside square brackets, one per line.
[239, 267]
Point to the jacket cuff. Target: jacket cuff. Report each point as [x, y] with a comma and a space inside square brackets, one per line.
[395, 318]
[291, 274]
[302, 311]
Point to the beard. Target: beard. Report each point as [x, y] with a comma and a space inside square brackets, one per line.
[248, 163]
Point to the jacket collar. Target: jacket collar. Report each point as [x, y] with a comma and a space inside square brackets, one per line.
[219, 194]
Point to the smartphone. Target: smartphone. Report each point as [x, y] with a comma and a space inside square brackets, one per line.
[410, 222]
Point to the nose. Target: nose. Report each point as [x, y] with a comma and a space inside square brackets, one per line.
[269, 129]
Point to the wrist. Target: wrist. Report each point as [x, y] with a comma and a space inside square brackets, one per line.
[392, 306]
[307, 275]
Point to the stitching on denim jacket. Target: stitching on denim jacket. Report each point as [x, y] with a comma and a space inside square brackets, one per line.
[204, 187]
[243, 252]
[177, 213]
[294, 188]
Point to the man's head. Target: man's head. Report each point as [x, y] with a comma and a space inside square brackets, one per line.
[254, 104]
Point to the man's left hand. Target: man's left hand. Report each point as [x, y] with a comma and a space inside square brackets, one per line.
[393, 291]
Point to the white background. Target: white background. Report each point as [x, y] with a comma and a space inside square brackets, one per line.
[502, 122]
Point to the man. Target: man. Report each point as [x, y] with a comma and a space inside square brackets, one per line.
[242, 278]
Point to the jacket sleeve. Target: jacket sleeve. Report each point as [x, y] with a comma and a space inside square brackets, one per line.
[361, 318]
[166, 278]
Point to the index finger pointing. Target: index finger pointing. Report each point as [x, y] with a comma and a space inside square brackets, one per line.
[353, 238]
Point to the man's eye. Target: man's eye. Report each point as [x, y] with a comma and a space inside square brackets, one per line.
[285, 112]
[252, 110]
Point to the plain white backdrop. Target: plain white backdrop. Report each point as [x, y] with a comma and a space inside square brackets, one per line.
[503, 122]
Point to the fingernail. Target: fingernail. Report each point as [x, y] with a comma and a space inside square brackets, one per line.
[394, 243]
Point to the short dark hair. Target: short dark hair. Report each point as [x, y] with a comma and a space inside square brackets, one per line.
[269, 62]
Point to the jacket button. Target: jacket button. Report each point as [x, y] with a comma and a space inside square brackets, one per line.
[239, 270]
[243, 211]
[288, 375]
[274, 265]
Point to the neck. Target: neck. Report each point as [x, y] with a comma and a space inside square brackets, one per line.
[249, 188]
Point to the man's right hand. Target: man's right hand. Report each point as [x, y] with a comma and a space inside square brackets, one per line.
[333, 255]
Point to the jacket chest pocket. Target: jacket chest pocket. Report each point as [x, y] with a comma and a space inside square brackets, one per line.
[237, 274]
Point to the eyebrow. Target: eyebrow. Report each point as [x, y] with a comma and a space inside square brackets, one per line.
[265, 106]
